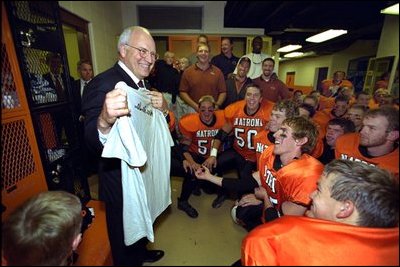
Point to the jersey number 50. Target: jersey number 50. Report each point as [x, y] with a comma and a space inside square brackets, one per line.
[242, 139]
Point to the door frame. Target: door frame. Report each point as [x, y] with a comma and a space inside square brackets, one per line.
[82, 27]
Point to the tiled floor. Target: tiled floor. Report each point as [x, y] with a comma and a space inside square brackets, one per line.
[210, 239]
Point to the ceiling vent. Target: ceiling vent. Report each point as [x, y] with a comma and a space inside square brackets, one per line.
[170, 17]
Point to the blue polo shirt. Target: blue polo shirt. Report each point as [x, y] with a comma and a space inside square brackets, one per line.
[225, 64]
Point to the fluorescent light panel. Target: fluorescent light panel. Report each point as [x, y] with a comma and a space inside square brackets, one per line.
[326, 35]
[392, 10]
[289, 48]
[294, 54]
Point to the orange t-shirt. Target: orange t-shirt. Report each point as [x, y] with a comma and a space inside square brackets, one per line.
[295, 241]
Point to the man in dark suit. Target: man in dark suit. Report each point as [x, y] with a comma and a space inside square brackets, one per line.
[85, 71]
[101, 105]
[57, 80]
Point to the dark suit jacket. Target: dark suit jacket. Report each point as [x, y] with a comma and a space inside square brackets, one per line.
[76, 96]
[110, 187]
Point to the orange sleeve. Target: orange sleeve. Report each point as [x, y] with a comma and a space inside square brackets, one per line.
[187, 125]
[319, 147]
[172, 121]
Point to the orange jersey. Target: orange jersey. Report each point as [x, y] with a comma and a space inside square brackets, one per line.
[327, 84]
[319, 146]
[329, 102]
[347, 147]
[245, 127]
[293, 182]
[302, 241]
[322, 117]
[201, 135]
[262, 142]
[326, 102]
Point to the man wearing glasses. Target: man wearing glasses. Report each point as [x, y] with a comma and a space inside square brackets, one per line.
[102, 104]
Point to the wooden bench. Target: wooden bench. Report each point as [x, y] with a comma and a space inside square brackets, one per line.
[94, 249]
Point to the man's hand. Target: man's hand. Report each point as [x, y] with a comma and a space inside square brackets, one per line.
[260, 192]
[249, 200]
[210, 162]
[203, 173]
[192, 166]
[115, 105]
[158, 101]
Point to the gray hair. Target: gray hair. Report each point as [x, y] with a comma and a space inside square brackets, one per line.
[126, 34]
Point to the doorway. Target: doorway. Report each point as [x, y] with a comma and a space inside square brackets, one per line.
[290, 76]
[321, 75]
[76, 37]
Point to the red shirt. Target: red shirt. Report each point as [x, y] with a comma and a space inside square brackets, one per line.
[273, 90]
[197, 82]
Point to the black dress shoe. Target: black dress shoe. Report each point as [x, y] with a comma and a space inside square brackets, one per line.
[218, 201]
[196, 191]
[153, 255]
[186, 207]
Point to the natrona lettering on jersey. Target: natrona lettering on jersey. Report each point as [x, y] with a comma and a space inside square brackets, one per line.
[248, 122]
[206, 133]
[345, 156]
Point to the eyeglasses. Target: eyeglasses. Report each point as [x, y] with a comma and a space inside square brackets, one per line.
[144, 52]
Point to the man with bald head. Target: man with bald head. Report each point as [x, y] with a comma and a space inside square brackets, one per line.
[102, 104]
[257, 57]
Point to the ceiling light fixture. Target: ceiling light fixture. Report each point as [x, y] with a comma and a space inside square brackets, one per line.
[294, 54]
[289, 48]
[326, 35]
[392, 10]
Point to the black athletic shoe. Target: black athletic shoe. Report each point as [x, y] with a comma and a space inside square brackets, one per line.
[186, 207]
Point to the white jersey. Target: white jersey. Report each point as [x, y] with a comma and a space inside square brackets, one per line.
[143, 142]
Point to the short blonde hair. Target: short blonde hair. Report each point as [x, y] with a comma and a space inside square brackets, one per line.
[207, 98]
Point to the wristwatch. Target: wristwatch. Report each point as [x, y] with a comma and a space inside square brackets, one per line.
[165, 112]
